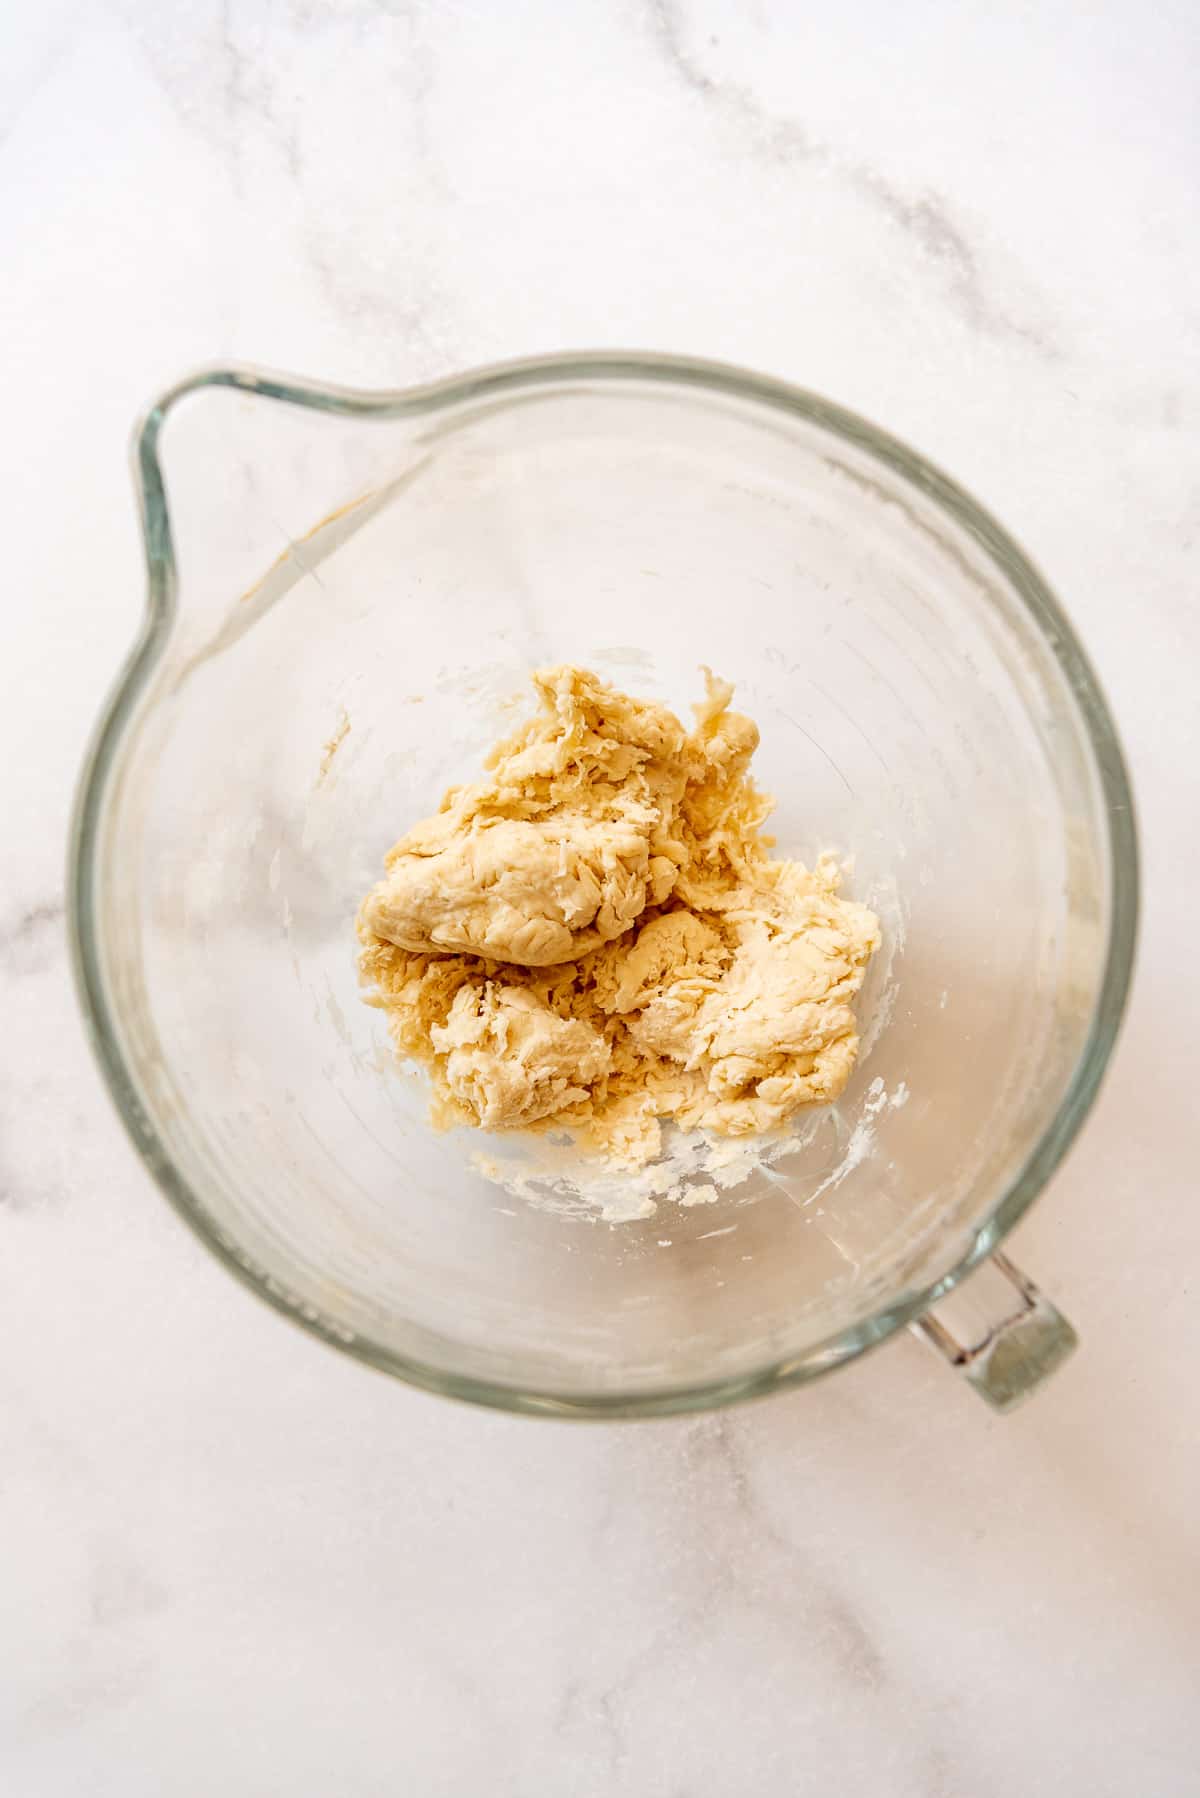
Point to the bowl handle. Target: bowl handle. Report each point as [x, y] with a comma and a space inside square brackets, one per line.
[1000, 1333]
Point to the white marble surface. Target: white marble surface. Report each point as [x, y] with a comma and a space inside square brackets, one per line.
[232, 1562]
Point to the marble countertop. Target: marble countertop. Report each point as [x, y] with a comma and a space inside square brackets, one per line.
[236, 1563]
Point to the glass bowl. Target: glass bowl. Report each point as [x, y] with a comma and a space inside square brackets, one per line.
[346, 594]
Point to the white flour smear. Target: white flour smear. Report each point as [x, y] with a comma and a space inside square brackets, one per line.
[861, 1141]
[552, 1175]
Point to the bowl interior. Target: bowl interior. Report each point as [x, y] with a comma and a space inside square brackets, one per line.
[323, 683]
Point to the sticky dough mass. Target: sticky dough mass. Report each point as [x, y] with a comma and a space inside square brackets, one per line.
[596, 938]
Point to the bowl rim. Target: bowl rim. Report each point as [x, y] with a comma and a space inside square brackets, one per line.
[494, 380]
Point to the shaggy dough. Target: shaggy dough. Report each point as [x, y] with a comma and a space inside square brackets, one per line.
[596, 938]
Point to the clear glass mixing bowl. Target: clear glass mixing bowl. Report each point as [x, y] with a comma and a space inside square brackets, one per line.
[925, 709]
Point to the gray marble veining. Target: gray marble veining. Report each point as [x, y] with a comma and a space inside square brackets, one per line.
[926, 218]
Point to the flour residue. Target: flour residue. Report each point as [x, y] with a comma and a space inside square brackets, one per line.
[552, 1174]
[861, 1142]
[697, 1169]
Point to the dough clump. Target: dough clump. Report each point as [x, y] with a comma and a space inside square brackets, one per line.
[595, 937]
